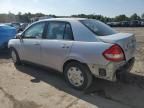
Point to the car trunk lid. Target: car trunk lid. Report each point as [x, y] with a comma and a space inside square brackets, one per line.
[126, 41]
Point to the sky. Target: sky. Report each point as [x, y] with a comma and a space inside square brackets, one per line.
[110, 8]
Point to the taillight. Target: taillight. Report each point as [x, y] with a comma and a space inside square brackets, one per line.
[114, 53]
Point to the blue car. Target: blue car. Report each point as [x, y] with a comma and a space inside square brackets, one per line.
[6, 33]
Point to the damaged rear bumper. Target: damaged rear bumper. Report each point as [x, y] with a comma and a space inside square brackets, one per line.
[125, 68]
[112, 70]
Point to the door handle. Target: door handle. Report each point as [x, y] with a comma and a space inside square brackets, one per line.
[36, 44]
[65, 46]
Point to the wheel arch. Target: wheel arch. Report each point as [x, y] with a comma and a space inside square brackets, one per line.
[72, 60]
[11, 47]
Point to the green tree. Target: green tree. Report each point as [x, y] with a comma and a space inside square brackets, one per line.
[135, 17]
[121, 18]
[19, 16]
[142, 16]
[92, 16]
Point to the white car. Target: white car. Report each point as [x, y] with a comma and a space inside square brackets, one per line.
[79, 48]
[142, 23]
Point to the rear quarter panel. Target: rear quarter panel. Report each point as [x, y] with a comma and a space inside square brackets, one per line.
[89, 52]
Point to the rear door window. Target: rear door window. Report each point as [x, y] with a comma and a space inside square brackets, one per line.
[55, 30]
[59, 31]
[68, 35]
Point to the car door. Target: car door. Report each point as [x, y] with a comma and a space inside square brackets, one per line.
[30, 43]
[57, 44]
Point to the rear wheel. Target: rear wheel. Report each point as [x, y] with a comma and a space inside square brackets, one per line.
[15, 56]
[78, 75]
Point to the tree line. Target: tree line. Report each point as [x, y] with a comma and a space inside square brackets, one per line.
[26, 17]
[115, 19]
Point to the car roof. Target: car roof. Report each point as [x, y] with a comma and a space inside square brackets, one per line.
[3, 25]
[64, 19]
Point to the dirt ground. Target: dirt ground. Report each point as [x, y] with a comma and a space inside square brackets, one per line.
[32, 87]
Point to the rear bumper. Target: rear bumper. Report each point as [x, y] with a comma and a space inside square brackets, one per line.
[125, 68]
[112, 70]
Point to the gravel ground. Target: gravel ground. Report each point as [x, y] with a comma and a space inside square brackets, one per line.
[32, 87]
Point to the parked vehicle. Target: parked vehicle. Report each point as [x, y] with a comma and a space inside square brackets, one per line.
[125, 23]
[114, 24]
[6, 33]
[109, 23]
[23, 26]
[15, 25]
[79, 48]
[135, 23]
[142, 23]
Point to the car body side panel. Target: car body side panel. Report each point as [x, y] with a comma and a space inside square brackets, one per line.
[27, 49]
[16, 43]
[54, 52]
[31, 50]
[89, 52]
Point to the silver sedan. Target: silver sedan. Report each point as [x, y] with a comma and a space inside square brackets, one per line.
[79, 48]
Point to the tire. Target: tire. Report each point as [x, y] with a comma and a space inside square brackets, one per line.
[15, 56]
[78, 75]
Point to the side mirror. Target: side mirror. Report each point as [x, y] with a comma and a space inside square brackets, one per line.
[19, 36]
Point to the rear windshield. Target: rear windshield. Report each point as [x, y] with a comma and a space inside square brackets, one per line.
[99, 28]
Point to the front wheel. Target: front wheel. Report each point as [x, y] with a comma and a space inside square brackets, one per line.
[78, 75]
[15, 56]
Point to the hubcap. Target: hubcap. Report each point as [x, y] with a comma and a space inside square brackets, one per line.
[75, 76]
[14, 58]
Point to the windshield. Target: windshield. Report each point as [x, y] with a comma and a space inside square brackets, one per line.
[99, 28]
